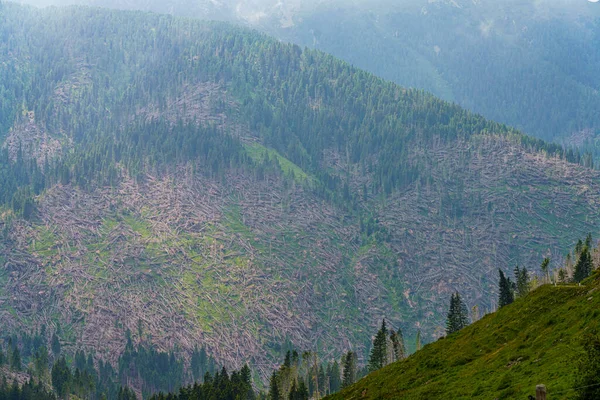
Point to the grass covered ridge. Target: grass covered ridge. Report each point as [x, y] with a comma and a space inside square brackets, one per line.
[535, 340]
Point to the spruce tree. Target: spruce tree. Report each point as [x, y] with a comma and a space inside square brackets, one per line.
[584, 265]
[274, 388]
[458, 315]
[378, 358]
[349, 362]
[506, 291]
[55, 344]
[335, 381]
[522, 279]
[544, 268]
[15, 360]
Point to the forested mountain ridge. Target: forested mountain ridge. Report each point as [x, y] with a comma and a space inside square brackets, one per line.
[531, 63]
[199, 183]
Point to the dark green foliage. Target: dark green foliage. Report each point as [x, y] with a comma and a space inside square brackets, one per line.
[584, 266]
[544, 268]
[201, 364]
[334, 375]
[15, 359]
[61, 377]
[378, 357]
[505, 287]
[458, 315]
[29, 391]
[298, 391]
[221, 386]
[587, 381]
[349, 374]
[126, 394]
[55, 343]
[522, 281]
[155, 371]
[274, 388]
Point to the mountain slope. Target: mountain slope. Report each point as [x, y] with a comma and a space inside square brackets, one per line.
[197, 183]
[530, 64]
[536, 340]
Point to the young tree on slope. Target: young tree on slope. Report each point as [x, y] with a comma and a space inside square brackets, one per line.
[458, 315]
[506, 293]
[522, 278]
[545, 271]
[398, 349]
[378, 358]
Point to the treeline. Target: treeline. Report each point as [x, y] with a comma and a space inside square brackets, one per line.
[579, 265]
[153, 373]
[41, 357]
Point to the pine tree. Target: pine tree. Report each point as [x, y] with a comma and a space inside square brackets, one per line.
[584, 266]
[458, 315]
[274, 388]
[418, 340]
[335, 381]
[506, 291]
[522, 278]
[544, 268]
[349, 362]
[15, 359]
[378, 358]
[61, 377]
[55, 344]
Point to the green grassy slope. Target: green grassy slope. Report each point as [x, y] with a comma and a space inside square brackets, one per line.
[535, 340]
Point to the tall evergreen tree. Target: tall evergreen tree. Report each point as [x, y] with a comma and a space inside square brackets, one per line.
[349, 362]
[458, 315]
[522, 279]
[335, 379]
[584, 265]
[274, 388]
[61, 377]
[15, 359]
[55, 344]
[378, 358]
[506, 296]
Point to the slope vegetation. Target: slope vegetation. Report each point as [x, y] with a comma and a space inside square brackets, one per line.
[536, 340]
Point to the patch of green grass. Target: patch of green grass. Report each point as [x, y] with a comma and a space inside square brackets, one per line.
[138, 226]
[257, 152]
[535, 340]
[45, 245]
